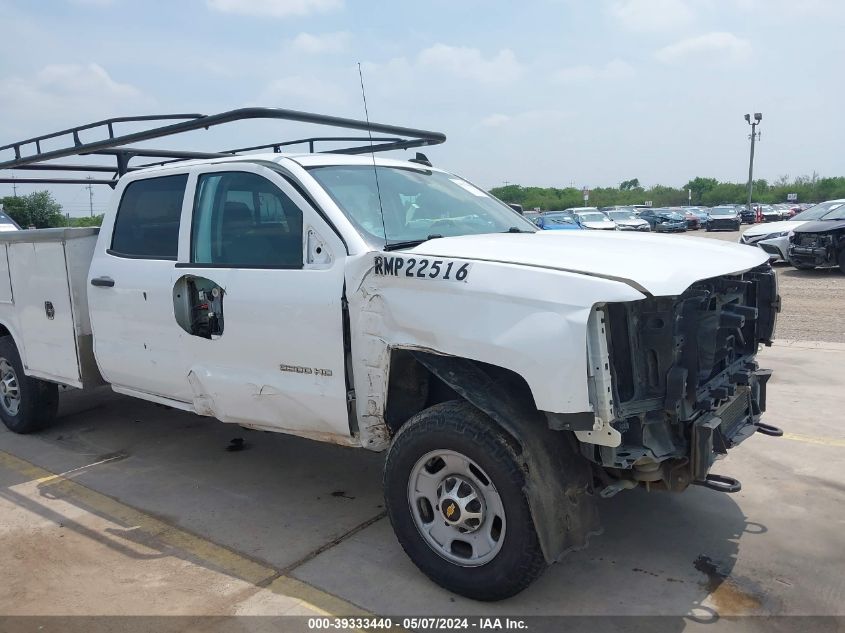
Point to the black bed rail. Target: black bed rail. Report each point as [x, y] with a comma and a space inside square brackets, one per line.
[31, 153]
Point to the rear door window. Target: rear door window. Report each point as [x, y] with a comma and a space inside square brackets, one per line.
[147, 223]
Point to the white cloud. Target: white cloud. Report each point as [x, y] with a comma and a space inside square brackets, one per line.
[325, 43]
[495, 120]
[469, 63]
[651, 15]
[69, 93]
[614, 69]
[275, 8]
[718, 47]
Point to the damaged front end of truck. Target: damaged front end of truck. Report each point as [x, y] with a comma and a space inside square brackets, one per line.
[677, 381]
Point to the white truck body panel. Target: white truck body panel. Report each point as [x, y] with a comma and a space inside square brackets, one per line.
[44, 302]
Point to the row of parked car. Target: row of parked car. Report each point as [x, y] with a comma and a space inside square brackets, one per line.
[809, 239]
[639, 218]
[806, 236]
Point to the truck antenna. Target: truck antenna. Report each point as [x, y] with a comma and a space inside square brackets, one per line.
[372, 153]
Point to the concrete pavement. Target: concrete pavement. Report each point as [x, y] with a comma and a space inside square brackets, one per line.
[149, 514]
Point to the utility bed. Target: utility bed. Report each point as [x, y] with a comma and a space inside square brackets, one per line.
[44, 301]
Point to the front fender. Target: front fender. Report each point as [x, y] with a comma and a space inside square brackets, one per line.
[529, 320]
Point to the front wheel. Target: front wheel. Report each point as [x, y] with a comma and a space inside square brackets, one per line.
[26, 404]
[454, 493]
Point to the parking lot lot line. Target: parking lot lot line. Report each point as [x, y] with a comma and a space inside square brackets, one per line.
[809, 439]
[206, 552]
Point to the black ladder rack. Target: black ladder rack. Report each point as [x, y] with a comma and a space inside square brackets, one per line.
[30, 154]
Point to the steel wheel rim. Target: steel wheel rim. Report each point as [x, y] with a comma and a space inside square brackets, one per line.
[475, 533]
[10, 391]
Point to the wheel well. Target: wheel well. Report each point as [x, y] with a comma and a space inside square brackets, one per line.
[4, 331]
[416, 382]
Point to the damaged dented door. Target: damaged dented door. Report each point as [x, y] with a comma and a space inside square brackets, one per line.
[258, 299]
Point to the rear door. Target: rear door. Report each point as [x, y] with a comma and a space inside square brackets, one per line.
[136, 338]
[261, 283]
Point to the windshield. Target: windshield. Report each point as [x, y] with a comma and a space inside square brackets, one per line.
[418, 204]
[593, 217]
[559, 218]
[837, 213]
[722, 211]
[818, 211]
[622, 215]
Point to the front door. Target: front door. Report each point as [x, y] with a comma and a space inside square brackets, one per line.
[259, 299]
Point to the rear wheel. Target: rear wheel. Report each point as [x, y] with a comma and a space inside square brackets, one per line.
[26, 404]
[454, 494]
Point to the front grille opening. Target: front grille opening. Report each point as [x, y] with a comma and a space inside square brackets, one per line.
[620, 349]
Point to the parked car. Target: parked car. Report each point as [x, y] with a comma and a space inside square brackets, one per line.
[768, 213]
[820, 242]
[664, 220]
[533, 216]
[627, 220]
[773, 237]
[693, 223]
[7, 223]
[723, 219]
[595, 220]
[558, 221]
[746, 214]
[699, 212]
[784, 210]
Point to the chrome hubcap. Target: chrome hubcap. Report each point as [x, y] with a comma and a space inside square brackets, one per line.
[10, 396]
[456, 508]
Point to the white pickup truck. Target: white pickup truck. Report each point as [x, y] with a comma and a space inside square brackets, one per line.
[511, 374]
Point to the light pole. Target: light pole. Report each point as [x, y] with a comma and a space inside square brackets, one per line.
[758, 116]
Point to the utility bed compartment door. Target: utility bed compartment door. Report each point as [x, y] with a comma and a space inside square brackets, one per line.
[42, 298]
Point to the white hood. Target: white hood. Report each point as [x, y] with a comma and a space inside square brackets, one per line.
[631, 222]
[601, 226]
[773, 227]
[656, 264]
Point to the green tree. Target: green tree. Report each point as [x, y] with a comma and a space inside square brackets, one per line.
[628, 185]
[699, 186]
[37, 209]
[95, 220]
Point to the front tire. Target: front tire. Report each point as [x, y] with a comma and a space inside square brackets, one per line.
[453, 490]
[26, 404]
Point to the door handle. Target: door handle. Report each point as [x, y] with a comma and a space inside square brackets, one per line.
[103, 282]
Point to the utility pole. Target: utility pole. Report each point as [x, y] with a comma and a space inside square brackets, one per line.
[14, 185]
[90, 198]
[758, 116]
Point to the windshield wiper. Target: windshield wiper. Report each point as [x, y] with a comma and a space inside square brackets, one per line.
[516, 229]
[393, 246]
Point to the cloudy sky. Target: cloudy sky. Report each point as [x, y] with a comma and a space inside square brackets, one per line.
[538, 92]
